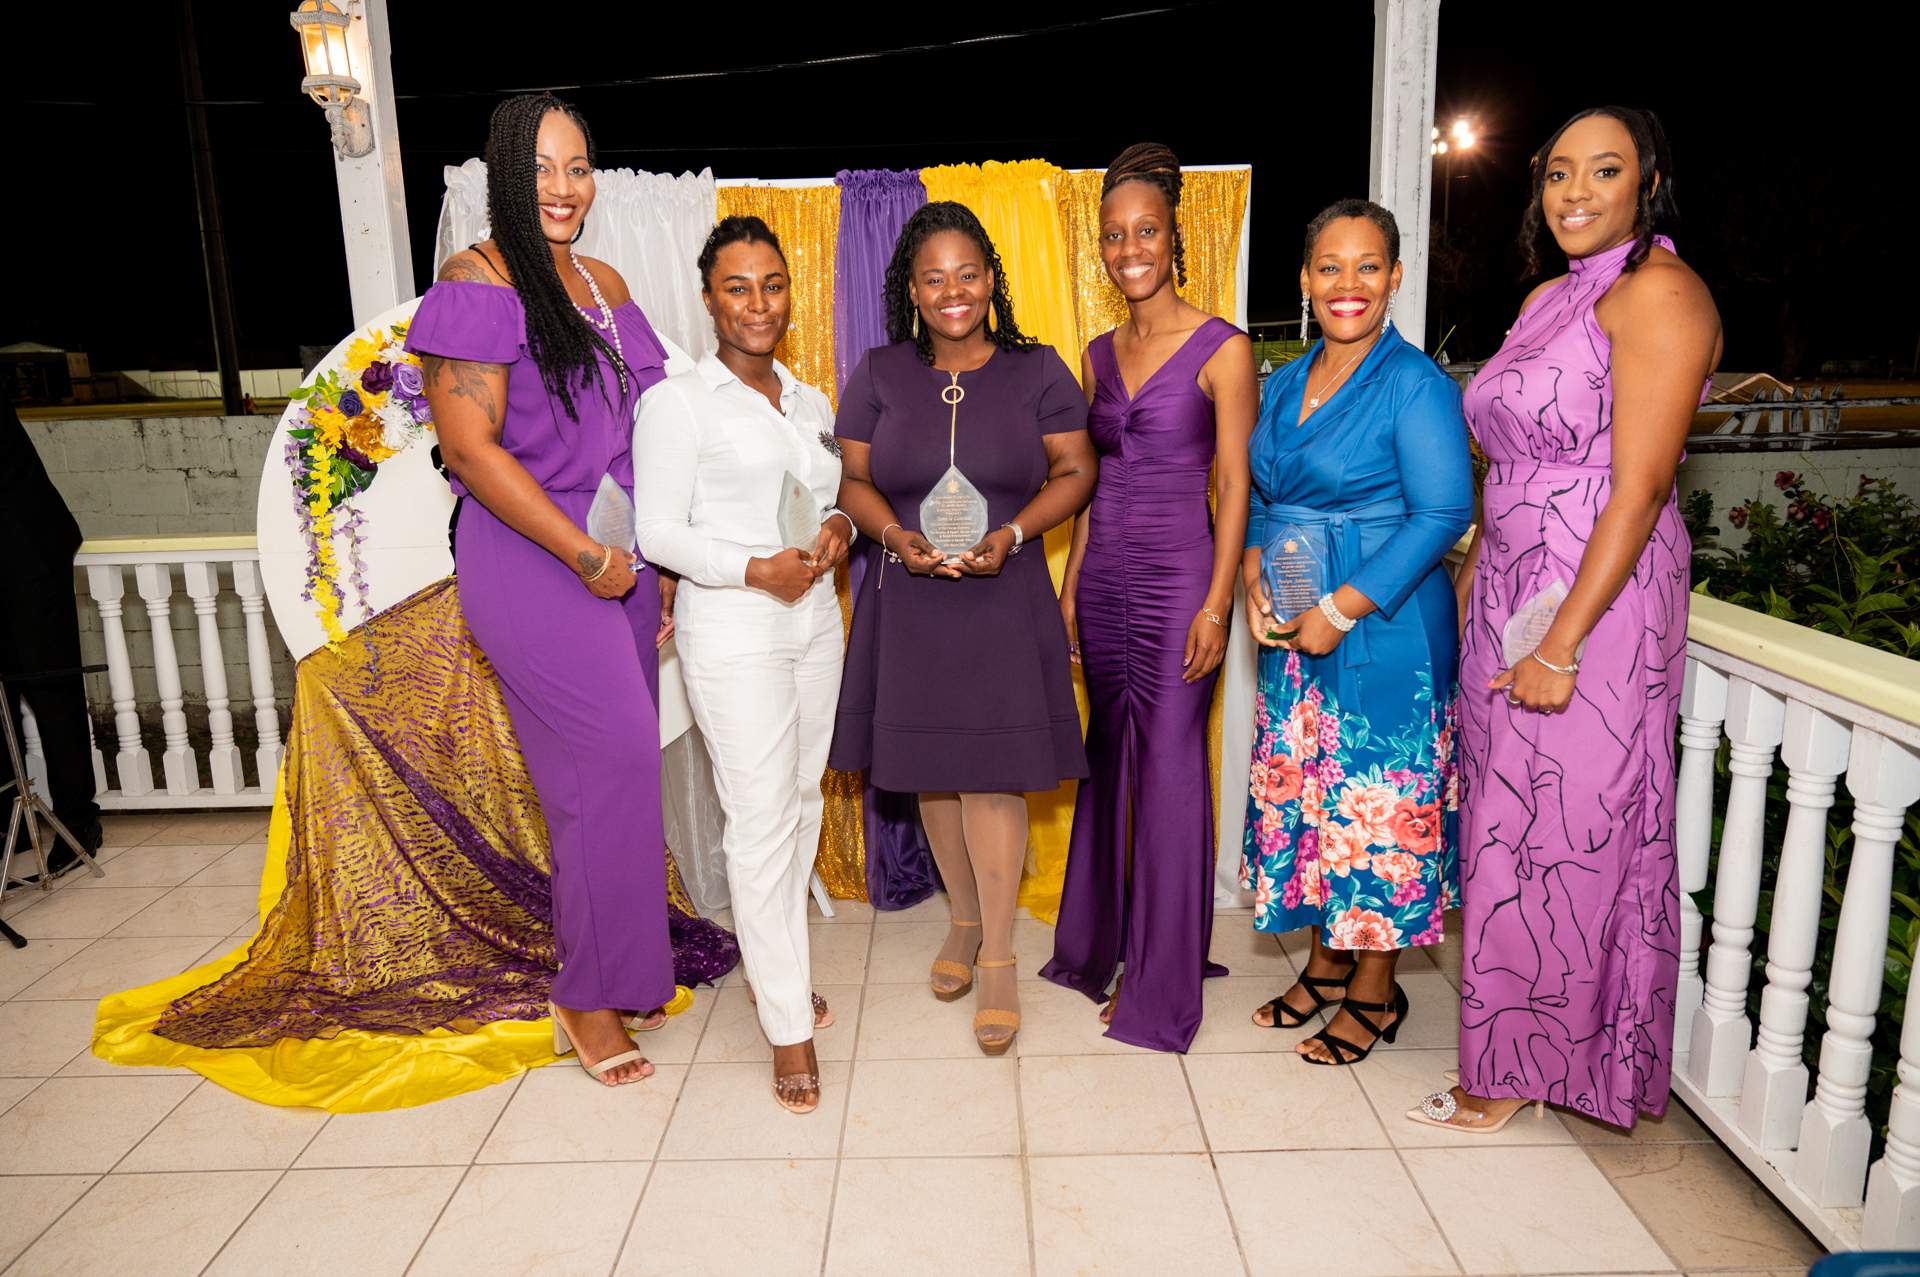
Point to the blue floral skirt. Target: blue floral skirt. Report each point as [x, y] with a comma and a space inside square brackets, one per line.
[1350, 821]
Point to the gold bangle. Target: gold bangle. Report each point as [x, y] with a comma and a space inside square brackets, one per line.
[1213, 616]
[605, 563]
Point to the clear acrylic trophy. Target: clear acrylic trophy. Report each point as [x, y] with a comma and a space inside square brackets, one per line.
[797, 516]
[1293, 567]
[954, 515]
[610, 517]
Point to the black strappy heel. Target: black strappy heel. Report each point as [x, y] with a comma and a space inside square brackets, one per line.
[1345, 1052]
[1313, 984]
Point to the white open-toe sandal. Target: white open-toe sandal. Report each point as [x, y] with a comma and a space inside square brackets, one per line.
[563, 1045]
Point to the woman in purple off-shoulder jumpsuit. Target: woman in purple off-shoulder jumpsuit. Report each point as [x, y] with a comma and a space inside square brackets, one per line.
[1570, 896]
[569, 626]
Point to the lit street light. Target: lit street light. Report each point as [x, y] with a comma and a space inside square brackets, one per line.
[1446, 152]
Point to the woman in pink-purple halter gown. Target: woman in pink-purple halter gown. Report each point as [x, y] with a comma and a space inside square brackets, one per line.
[1571, 904]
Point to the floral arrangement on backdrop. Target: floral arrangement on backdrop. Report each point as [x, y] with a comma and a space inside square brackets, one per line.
[343, 426]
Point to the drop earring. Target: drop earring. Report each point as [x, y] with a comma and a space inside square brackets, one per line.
[1306, 313]
[990, 313]
[1391, 298]
[916, 316]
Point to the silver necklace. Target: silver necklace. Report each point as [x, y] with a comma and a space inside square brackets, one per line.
[1327, 388]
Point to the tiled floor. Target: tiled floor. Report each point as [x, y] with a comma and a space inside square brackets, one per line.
[1072, 1154]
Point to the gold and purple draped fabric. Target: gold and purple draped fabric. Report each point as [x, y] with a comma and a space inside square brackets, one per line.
[406, 946]
[807, 220]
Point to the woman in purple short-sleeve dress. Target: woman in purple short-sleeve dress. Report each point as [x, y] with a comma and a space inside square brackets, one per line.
[957, 685]
[1570, 895]
[534, 360]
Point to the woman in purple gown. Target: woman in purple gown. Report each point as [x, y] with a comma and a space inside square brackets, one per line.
[1571, 899]
[1148, 596]
[957, 686]
[534, 359]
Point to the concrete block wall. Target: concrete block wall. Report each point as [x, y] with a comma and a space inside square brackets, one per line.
[1736, 478]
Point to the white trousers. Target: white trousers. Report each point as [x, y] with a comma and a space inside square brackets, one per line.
[763, 678]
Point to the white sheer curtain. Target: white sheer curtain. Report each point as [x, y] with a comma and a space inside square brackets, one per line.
[648, 226]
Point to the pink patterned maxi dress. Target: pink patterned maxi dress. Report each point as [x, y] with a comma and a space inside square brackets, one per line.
[1571, 898]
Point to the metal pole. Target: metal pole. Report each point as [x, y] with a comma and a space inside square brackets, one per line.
[1400, 160]
[213, 239]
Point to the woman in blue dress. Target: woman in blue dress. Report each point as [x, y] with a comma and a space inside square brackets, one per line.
[1360, 463]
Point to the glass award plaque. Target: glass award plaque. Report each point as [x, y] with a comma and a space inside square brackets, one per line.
[610, 517]
[1293, 567]
[797, 515]
[954, 515]
[1530, 622]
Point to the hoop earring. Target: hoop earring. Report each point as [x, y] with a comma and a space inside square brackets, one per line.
[1391, 298]
[1306, 314]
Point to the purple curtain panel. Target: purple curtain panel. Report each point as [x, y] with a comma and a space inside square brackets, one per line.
[874, 205]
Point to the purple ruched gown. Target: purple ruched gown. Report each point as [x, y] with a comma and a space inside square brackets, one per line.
[1571, 897]
[1148, 564]
[580, 673]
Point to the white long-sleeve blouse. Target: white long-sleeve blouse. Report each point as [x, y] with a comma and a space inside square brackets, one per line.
[708, 453]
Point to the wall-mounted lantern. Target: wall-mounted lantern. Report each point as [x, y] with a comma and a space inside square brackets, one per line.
[323, 39]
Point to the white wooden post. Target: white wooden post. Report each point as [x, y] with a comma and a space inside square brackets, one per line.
[106, 585]
[1893, 1185]
[1721, 1030]
[223, 761]
[373, 198]
[1774, 1089]
[35, 752]
[155, 582]
[1884, 778]
[266, 719]
[1406, 46]
[1703, 707]
[99, 761]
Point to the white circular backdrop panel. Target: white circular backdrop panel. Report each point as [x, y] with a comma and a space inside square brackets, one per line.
[403, 532]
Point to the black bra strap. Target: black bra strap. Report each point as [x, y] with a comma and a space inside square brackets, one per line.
[489, 260]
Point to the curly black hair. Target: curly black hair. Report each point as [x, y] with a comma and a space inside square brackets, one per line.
[1158, 167]
[1372, 212]
[562, 343]
[735, 230]
[929, 220]
[1657, 211]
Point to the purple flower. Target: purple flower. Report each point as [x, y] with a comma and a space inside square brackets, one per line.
[1408, 892]
[1737, 516]
[353, 456]
[1797, 512]
[420, 409]
[409, 380]
[1821, 519]
[1785, 479]
[830, 443]
[377, 377]
[350, 404]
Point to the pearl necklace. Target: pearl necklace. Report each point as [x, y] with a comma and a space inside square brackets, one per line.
[605, 323]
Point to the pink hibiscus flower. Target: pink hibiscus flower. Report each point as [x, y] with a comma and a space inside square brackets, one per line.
[1359, 928]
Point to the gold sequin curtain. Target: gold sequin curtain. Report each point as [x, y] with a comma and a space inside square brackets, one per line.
[807, 220]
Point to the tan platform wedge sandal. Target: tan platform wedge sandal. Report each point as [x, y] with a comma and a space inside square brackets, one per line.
[958, 970]
[991, 1017]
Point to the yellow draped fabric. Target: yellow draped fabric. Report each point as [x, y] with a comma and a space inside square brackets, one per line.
[807, 220]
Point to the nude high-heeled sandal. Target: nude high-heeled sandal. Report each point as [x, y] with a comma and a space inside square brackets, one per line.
[994, 1016]
[1440, 1108]
[958, 970]
[822, 1017]
[563, 1045]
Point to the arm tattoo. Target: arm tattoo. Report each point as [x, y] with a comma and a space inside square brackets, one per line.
[465, 268]
[466, 380]
[589, 562]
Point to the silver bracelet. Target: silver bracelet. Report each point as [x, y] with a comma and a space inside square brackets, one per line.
[1019, 537]
[1340, 621]
[1557, 669]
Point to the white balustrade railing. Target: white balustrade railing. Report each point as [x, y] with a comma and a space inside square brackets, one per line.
[1831, 708]
[159, 566]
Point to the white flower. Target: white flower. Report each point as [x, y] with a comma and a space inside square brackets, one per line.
[397, 422]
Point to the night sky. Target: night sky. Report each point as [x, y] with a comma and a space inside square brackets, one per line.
[1786, 166]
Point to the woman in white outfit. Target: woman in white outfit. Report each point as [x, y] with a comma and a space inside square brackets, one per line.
[757, 625]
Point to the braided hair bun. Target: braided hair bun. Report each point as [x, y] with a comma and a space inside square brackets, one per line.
[1157, 166]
